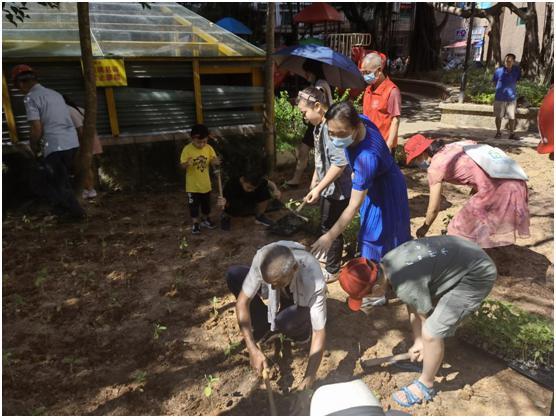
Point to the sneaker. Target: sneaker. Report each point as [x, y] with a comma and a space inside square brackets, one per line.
[371, 302]
[225, 223]
[92, 194]
[498, 135]
[195, 229]
[263, 220]
[513, 136]
[330, 277]
[207, 223]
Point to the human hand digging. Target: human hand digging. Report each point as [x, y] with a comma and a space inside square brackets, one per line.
[321, 246]
[416, 351]
[422, 231]
[312, 197]
[258, 361]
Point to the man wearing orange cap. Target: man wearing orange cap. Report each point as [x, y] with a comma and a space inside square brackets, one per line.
[441, 279]
[546, 125]
[52, 130]
[382, 99]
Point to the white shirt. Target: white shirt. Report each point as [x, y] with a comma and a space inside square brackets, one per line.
[308, 286]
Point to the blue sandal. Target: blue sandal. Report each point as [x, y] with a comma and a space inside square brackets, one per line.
[411, 398]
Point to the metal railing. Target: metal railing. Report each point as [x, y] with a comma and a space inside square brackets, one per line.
[343, 42]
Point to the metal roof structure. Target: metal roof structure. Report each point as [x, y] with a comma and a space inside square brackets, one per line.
[122, 30]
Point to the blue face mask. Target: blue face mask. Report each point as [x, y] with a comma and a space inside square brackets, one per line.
[342, 142]
[369, 78]
[423, 165]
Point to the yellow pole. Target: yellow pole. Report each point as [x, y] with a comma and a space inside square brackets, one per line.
[197, 91]
[7, 105]
[112, 111]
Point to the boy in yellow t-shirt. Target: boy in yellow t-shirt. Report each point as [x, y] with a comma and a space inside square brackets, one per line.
[196, 158]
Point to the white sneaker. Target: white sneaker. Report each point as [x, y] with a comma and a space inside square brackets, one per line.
[89, 194]
[370, 302]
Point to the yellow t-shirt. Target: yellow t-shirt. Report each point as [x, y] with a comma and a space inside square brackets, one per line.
[197, 178]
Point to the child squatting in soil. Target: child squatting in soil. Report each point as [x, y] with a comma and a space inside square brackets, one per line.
[442, 280]
[250, 194]
[292, 280]
[196, 158]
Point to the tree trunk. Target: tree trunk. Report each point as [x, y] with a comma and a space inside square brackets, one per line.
[268, 116]
[547, 51]
[424, 50]
[89, 124]
[494, 55]
[530, 65]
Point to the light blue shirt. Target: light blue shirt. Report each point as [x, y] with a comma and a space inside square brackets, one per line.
[49, 107]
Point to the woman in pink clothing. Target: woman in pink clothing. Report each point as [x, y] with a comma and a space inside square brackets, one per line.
[496, 213]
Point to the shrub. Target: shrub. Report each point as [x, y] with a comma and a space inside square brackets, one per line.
[290, 127]
[532, 92]
[513, 334]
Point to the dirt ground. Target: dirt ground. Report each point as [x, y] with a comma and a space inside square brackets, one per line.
[117, 316]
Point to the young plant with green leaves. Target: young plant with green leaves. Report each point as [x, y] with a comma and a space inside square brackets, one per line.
[207, 391]
[158, 330]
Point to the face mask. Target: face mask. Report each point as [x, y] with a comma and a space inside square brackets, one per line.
[369, 78]
[342, 142]
[423, 165]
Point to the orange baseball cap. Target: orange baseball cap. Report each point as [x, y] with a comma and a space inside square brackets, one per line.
[19, 69]
[546, 124]
[415, 146]
[357, 278]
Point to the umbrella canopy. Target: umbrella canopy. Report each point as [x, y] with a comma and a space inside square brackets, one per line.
[338, 69]
[234, 26]
[309, 41]
[318, 13]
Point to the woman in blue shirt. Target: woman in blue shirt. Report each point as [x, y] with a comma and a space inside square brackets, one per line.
[378, 190]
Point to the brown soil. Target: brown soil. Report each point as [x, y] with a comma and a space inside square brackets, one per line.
[112, 317]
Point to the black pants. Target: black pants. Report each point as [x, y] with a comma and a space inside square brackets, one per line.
[330, 210]
[56, 186]
[291, 320]
[198, 201]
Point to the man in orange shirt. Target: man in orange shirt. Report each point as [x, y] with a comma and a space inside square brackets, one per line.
[382, 99]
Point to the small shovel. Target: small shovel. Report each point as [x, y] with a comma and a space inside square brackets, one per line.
[296, 212]
[366, 364]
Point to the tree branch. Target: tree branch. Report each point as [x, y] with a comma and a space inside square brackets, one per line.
[466, 13]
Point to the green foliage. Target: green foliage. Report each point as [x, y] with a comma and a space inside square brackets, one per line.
[532, 92]
[290, 127]
[41, 278]
[183, 244]
[139, 378]
[207, 391]
[505, 329]
[158, 330]
[481, 89]
[231, 348]
[357, 103]
[400, 156]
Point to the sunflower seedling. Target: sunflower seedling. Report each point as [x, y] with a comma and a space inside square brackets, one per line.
[158, 329]
[140, 378]
[207, 391]
[231, 348]
[214, 301]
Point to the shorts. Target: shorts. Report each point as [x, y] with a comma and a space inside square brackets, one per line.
[198, 201]
[505, 109]
[309, 137]
[462, 300]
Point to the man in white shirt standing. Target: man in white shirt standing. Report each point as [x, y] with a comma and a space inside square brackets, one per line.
[292, 279]
[51, 124]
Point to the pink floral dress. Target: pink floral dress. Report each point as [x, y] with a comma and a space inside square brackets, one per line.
[496, 214]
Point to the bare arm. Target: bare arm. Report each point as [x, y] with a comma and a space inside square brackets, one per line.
[435, 197]
[315, 357]
[393, 132]
[332, 174]
[417, 322]
[256, 357]
[36, 134]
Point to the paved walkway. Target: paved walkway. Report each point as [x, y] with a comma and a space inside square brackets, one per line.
[421, 115]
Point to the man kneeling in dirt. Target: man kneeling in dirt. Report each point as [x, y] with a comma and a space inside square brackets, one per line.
[291, 278]
[441, 280]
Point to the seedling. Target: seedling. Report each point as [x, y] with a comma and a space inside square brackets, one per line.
[158, 329]
[183, 244]
[6, 358]
[207, 391]
[231, 348]
[139, 377]
[26, 220]
[214, 306]
[41, 277]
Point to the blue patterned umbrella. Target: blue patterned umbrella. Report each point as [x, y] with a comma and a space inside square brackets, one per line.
[338, 69]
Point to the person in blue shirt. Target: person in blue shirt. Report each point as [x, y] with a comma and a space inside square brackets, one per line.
[378, 191]
[505, 103]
